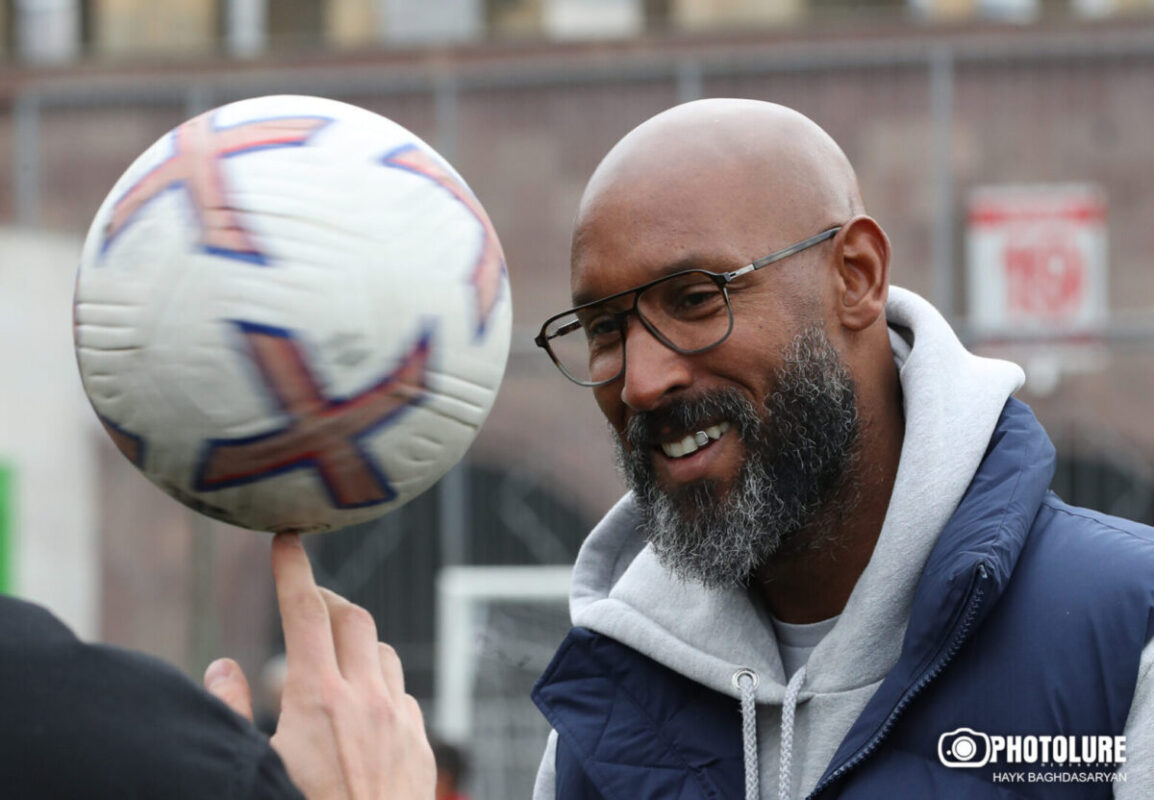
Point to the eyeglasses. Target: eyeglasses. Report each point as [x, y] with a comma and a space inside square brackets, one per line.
[688, 312]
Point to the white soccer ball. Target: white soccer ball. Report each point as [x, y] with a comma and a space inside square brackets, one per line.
[291, 314]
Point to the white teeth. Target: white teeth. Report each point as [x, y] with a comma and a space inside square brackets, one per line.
[679, 448]
[693, 443]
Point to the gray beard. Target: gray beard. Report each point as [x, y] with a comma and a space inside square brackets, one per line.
[794, 484]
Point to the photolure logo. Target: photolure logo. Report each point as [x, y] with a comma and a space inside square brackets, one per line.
[964, 747]
[1066, 758]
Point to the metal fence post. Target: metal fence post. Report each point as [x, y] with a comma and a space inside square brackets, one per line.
[941, 69]
[197, 100]
[203, 628]
[453, 503]
[690, 80]
[453, 490]
[26, 160]
[445, 116]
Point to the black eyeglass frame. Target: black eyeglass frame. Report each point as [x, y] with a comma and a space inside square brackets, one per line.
[722, 279]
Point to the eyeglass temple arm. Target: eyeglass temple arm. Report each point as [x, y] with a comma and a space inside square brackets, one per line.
[780, 254]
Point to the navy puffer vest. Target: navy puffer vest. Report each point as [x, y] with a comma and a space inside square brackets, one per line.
[1029, 620]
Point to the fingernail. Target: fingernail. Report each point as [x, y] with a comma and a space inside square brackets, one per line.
[217, 671]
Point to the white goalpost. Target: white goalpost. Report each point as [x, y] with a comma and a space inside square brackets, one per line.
[497, 629]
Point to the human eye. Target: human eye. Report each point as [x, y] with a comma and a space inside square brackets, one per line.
[602, 328]
[694, 298]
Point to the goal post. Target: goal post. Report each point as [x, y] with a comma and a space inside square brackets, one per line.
[497, 628]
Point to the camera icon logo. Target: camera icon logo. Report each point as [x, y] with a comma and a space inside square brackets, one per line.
[964, 747]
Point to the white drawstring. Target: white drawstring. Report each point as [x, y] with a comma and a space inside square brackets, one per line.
[746, 681]
[788, 707]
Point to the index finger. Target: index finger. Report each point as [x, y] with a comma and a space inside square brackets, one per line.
[308, 633]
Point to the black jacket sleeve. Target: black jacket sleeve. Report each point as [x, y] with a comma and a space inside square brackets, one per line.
[92, 721]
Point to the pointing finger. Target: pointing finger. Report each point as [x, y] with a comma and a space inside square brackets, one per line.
[304, 614]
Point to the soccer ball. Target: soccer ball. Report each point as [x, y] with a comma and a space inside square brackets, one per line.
[291, 314]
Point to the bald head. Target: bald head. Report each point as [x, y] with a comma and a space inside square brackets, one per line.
[777, 165]
[715, 185]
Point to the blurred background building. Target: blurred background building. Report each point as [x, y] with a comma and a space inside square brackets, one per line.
[1003, 144]
[64, 31]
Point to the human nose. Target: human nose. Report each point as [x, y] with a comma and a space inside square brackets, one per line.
[651, 369]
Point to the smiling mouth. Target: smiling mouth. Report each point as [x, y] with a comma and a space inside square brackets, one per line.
[693, 442]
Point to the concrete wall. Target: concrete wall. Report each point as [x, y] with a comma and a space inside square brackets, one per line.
[48, 432]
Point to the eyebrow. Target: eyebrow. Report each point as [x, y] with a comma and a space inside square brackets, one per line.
[682, 264]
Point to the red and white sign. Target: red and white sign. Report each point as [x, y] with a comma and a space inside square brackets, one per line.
[1036, 258]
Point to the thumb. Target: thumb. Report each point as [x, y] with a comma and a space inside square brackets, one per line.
[225, 680]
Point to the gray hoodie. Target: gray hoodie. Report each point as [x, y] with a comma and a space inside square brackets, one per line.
[952, 402]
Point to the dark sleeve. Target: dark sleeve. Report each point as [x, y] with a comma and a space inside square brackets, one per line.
[272, 782]
[80, 720]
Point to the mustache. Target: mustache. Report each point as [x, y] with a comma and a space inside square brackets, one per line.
[644, 428]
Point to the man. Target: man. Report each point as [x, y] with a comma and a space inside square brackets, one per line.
[838, 572]
[91, 721]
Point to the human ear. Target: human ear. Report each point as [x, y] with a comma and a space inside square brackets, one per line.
[863, 272]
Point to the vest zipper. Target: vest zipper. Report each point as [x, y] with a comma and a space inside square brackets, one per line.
[961, 633]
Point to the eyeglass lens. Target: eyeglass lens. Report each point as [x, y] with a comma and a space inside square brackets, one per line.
[689, 311]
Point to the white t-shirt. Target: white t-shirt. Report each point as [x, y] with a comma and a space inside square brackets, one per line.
[796, 642]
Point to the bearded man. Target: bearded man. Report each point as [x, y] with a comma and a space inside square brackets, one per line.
[839, 571]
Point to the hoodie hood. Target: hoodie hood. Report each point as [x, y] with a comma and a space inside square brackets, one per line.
[952, 402]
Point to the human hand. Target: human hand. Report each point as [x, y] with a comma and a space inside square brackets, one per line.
[347, 730]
